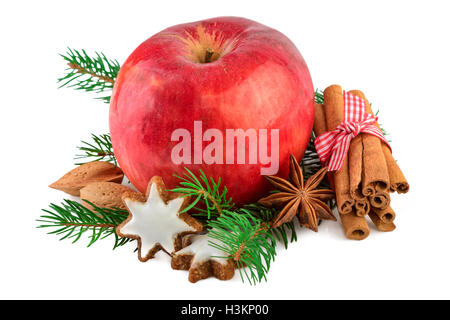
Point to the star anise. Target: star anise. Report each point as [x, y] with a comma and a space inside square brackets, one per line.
[297, 197]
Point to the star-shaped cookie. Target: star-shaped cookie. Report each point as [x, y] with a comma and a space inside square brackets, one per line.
[202, 260]
[155, 220]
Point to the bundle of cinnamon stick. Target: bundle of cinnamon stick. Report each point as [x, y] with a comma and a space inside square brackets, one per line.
[369, 173]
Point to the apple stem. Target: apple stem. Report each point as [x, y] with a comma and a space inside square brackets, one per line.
[208, 54]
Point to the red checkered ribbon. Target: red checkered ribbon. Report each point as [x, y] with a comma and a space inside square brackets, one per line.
[332, 146]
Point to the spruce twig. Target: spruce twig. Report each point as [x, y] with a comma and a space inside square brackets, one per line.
[244, 239]
[99, 149]
[266, 215]
[318, 96]
[385, 133]
[90, 74]
[212, 196]
[71, 220]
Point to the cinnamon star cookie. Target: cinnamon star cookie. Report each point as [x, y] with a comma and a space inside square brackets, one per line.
[202, 259]
[155, 220]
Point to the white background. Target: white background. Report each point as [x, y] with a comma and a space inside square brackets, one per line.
[397, 52]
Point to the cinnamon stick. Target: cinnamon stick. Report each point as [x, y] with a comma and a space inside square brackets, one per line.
[334, 115]
[397, 180]
[375, 175]
[362, 206]
[380, 200]
[355, 227]
[381, 226]
[355, 163]
[355, 156]
[386, 215]
[319, 127]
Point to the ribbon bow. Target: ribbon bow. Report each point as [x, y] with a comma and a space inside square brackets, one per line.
[332, 146]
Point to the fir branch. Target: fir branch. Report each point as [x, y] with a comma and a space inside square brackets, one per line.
[90, 74]
[318, 96]
[244, 239]
[71, 220]
[266, 215]
[385, 133]
[99, 149]
[206, 191]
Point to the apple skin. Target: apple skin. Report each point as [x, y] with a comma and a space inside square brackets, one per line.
[260, 81]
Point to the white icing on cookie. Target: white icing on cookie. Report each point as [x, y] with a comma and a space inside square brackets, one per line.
[155, 222]
[202, 251]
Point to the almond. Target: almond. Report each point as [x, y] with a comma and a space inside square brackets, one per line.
[81, 176]
[104, 194]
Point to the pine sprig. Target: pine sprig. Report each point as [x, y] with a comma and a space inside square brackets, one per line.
[383, 131]
[71, 220]
[244, 239]
[99, 149]
[90, 74]
[266, 215]
[204, 191]
[318, 96]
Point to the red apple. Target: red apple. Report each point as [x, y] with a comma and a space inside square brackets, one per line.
[228, 73]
